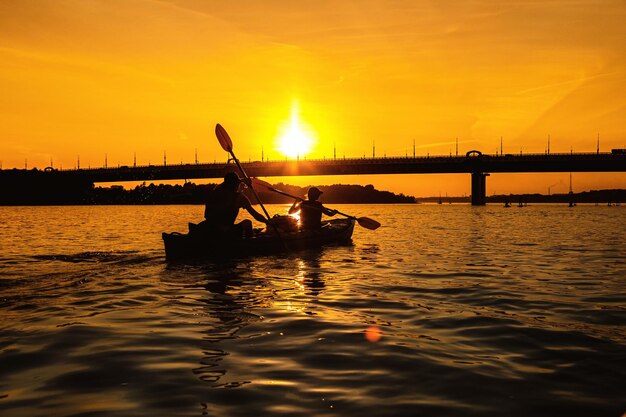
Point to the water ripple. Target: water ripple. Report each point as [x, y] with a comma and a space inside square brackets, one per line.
[445, 311]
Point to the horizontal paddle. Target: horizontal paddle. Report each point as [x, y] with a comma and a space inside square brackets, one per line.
[365, 222]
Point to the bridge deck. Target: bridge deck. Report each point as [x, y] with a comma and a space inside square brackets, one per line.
[570, 162]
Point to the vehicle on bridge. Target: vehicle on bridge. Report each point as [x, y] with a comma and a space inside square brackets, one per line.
[473, 154]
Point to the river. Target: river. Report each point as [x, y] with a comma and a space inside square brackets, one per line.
[446, 310]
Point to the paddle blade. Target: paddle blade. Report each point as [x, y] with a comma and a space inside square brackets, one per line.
[260, 183]
[368, 223]
[223, 138]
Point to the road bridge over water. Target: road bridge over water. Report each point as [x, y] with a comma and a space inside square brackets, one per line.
[478, 165]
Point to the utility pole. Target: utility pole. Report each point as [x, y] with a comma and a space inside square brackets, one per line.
[373, 149]
[164, 158]
[598, 145]
[25, 163]
[548, 144]
[106, 164]
[413, 148]
[334, 150]
[78, 162]
[501, 146]
[196, 156]
[262, 153]
[457, 146]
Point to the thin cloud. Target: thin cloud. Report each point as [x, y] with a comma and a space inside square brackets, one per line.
[435, 144]
[89, 66]
[575, 81]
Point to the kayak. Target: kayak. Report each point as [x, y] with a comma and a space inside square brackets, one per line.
[179, 246]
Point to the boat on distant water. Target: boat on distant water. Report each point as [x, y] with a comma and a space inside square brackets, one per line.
[181, 246]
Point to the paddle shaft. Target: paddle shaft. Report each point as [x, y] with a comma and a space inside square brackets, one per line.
[227, 144]
[248, 178]
[365, 222]
[347, 215]
[302, 199]
[284, 193]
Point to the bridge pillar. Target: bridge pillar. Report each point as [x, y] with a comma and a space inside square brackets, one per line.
[479, 188]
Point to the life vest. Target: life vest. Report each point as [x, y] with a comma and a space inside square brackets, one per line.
[311, 215]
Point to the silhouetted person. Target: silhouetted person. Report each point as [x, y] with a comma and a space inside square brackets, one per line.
[222, 208]
[311, 210]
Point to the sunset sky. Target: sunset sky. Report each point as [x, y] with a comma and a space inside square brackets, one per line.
[85, 78]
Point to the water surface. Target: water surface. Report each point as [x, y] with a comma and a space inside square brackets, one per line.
[482, 311]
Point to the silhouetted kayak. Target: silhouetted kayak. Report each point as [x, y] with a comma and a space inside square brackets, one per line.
[179, 246]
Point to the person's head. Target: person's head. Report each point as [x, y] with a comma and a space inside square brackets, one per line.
[314, 193]
[231, 180]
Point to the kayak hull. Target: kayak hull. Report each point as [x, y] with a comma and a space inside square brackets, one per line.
[179, 246]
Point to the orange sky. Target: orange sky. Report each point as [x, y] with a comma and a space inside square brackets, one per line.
[115, 77]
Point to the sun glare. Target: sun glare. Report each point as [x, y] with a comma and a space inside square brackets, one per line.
[295, 139]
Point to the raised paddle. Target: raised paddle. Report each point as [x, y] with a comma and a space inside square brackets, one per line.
[227, 145]
[365, 222]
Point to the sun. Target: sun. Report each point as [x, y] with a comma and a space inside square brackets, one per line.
[295, 139]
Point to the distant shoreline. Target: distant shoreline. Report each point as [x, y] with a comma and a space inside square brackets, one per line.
[612, 196]
[191, 193]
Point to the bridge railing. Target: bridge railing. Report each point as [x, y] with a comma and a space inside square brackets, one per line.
[361, 160]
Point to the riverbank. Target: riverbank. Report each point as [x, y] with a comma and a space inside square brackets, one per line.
[612, 197]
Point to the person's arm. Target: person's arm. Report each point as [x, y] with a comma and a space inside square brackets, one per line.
[295, 207]
[328, 212]
[245, 203]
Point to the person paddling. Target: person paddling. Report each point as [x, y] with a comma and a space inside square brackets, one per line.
[311, 210]
[222, 208]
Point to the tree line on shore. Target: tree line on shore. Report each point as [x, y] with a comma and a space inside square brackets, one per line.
[191, 193]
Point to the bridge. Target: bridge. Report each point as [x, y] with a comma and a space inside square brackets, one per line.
[475, 163]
